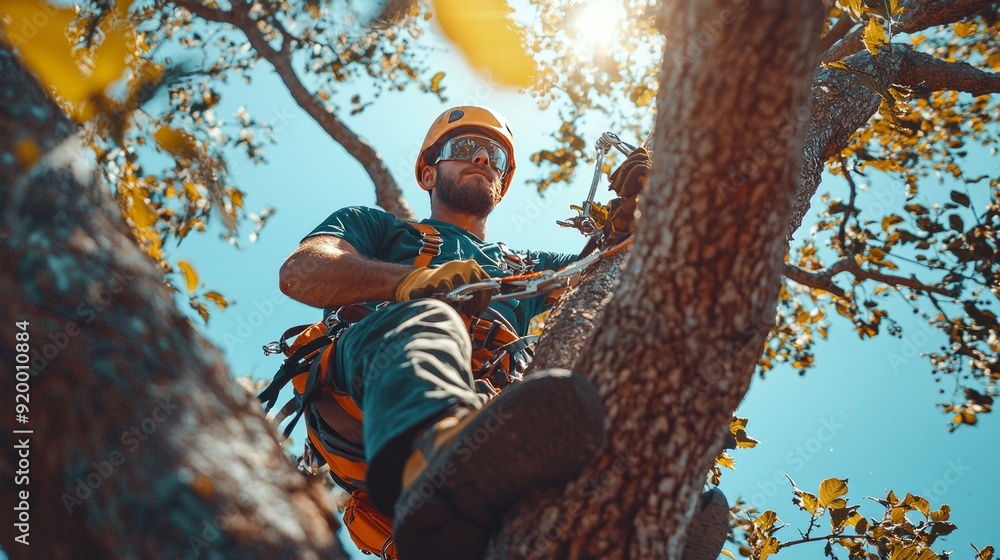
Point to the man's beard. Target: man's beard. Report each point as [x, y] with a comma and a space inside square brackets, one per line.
[469, 199]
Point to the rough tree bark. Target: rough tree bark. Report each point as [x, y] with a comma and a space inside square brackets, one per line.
[679, 340]
[142, 445]
[545, 525]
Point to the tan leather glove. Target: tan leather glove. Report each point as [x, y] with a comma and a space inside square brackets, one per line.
[627, 182]
[425, 282]
[629, 179]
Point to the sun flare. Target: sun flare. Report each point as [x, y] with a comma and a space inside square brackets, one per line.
[594, 23]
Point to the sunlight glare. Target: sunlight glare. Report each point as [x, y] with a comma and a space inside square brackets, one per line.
[594, 23]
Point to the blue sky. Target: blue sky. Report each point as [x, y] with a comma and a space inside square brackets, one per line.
[866, 411]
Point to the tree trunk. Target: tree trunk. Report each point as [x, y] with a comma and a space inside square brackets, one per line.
[678, 343]
[140, 444]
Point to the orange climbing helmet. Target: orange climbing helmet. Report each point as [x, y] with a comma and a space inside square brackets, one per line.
[469, 118]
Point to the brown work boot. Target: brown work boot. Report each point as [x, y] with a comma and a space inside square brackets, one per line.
[467, 470]
[709, 527]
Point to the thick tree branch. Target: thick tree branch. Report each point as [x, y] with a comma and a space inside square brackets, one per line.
[387, 192]
[919, 15]
[837, 32]
[142, 445]
[929, 72]
[841, 105]
[679, 340]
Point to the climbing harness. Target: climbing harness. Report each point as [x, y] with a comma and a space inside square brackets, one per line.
[592, 215]
[334, 422]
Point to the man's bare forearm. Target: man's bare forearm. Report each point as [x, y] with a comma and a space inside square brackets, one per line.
[328, 272]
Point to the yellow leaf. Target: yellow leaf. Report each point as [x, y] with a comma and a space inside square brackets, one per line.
[963, 29]
[765, 522]
[435, 85]
[809, 503]
[889, 221]
[729, 554]
[45, 48]
[876, 255]
[942, 514]
[770, 546]
[190, 276]
[726, 461]
[875, 35]
[922, 505]
[237, 197]
[489, 39]
[994, 61]
[985, 554]
[218, 299]
[38, 31]
[831, 489]
[176, 142]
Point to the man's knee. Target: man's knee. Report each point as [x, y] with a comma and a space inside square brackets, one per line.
[429, 311]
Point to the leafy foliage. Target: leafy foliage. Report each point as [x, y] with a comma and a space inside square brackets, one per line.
[908, 527]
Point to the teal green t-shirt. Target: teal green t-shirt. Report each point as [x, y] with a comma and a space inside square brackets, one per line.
[379, 235]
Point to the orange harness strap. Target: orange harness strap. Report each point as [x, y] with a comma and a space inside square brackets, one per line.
[430, 243]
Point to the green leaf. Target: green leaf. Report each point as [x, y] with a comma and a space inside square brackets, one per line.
[830, 490]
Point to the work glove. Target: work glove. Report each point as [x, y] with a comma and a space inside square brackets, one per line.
[627, 182]
[426, 282]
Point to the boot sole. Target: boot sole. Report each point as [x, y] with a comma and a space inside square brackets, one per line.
[537, 433]
[709, 528]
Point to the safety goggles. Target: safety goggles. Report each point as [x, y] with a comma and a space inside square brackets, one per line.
[467, 146]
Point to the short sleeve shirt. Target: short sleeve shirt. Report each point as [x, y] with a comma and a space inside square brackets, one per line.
[378, 235]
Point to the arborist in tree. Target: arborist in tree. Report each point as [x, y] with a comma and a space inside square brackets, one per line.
[415, 400]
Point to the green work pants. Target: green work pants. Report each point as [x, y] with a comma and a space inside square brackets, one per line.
[404, 365]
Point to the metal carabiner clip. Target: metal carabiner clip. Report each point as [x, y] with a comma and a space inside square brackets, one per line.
[584, 221]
